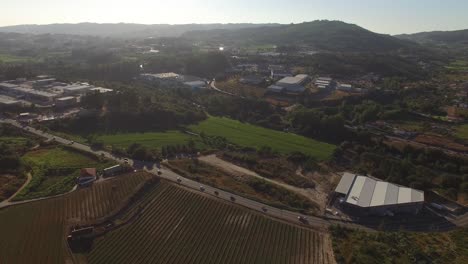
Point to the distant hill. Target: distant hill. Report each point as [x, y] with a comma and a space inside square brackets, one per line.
[438, 37]
[123, 30]
[322, 35]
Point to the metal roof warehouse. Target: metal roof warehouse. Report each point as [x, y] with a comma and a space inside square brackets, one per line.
[373, 196]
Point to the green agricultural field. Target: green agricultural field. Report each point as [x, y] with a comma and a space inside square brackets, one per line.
[54, 171]
[462, 132]
[151, 140]
[459, 65]
[13, 140]
[7, 58]
[253, 136]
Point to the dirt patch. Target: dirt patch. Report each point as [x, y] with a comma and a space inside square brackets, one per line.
[9, 185]
[441, 142]
[318, 195]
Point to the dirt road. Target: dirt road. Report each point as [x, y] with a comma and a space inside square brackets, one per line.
[230, 168]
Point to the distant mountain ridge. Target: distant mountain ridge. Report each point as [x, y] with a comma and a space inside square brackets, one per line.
[438, 37]
[123, 30]
[320, 34]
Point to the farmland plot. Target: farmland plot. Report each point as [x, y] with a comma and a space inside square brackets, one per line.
[179, 226]
[36, 232]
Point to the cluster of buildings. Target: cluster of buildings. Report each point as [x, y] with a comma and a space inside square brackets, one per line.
[365, 195]
[194, 83]
[44, 91]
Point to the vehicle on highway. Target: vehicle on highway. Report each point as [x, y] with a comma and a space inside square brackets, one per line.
[302, 219]
[233, 198]
[126, 160]
[179, 180]
[159, 172]
[202, 188]
[264, 209]
[216, 193]
[72, 142]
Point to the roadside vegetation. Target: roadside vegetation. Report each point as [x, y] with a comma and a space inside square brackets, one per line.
[244, 185]
[13, 172]
[462, 132]
[354, 246]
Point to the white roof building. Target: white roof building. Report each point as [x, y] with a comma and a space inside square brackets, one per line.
[367, 192]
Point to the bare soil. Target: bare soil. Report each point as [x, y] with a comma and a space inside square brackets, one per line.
[318, 195]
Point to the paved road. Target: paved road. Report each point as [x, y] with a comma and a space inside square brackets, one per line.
[292, 217]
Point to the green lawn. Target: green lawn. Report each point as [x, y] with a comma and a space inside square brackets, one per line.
[54, 171]
[150, 139]
[253, 136]
[462, 132]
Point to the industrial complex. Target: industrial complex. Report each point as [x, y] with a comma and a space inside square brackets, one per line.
[44, 91]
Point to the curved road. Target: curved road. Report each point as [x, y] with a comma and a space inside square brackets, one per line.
[292, 217]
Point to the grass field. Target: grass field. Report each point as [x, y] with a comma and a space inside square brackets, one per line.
[54, 171]
[7, 58]
[179, 226]
[36, 232]
[459, 65]
[462, 132]
[13, 140]
[253, 136]
[399, 247]
[151, 140]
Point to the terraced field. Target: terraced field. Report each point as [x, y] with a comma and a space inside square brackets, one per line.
[179, 226]
[36, 232]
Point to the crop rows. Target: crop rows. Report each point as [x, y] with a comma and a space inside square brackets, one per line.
[178, 226]
[35, 232]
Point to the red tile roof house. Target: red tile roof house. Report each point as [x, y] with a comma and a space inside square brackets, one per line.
[87, 176]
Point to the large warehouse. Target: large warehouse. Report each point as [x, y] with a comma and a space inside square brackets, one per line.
[369, 196]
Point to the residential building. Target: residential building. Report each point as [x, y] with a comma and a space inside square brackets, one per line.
[87, 177]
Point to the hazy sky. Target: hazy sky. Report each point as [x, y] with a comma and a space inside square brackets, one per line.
[383, 16]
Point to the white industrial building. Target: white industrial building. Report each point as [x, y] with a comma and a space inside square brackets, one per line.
[324, 83]
[290, 85]
[345, 87]
[66, 101]
[369, 196]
